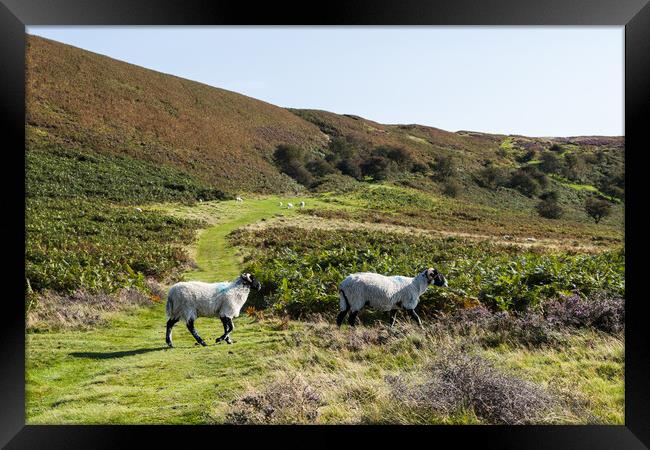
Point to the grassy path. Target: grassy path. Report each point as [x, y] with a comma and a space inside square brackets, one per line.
[215, 258]
[123, 373]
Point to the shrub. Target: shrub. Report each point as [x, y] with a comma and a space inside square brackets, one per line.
[319, 167]
[524, 183]
[419, 167]
[550, 163]
[452, 187]
[549, 207]
[445, 167]
[557, 148]
[287, 400]
[456, 381]
[597, 208]
[601, 311]
[491, 177]
[290, 160]
[350, 167]
[375, 167]
[528, 156]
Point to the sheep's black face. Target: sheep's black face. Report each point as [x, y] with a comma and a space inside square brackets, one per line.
[435, 277]
[250, 281]
[440, 280]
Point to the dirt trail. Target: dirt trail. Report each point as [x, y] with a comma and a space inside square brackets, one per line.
[310, 222]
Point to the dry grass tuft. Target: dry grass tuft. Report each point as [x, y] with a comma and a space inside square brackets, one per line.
[287, 400]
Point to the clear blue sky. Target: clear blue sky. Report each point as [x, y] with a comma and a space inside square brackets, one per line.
[536, 81]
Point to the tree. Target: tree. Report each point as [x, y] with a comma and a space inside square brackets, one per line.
[597, 208]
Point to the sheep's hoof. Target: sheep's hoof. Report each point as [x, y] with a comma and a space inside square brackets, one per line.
[229, 341]
[217, 340]
[170, 345]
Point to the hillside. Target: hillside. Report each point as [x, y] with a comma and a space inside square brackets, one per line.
[82, 99]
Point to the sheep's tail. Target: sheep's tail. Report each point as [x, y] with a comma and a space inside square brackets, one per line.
[344, 303]
[170, 305]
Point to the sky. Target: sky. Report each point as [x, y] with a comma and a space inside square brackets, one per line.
[534, 81]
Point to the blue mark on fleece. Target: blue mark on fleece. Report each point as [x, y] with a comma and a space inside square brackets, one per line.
[222, 287]
[400, 279]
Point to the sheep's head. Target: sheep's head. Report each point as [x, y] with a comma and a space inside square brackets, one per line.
[435, 277]
[250, 281]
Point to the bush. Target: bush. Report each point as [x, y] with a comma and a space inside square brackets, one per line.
[597, 208]
[445, 167]
[290, 160]
[350, 167]
[550, 163]
[456, 381]
[557, 148]
[301, 269]
[287, 400]
[549, 207]
[601, 311]
[452, 187]
[524, 183]
[375, 167]
[319, 168]
[491, 177]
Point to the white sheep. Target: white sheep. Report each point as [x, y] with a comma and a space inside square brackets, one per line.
[239, 199]
[138, 210]
[192, 299]
[384, 293]
[289, 205]
[302, 204]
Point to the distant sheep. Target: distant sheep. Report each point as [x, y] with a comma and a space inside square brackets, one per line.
[138, 210]
[302, 204]
[384, 293]
[289, 205]
[239, 199]
[192, 299]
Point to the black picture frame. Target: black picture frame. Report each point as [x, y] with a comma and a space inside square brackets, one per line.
[16, 14]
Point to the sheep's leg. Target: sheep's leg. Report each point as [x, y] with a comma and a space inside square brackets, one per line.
[341, 317]
[393, 316]
[352, 320]
[168, 335]
[226, 328]
[415, 316]
[190, 326]
[230, 328]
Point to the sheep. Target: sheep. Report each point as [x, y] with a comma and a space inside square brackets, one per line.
[289, 205]
[192, 299]
[302, 204]
[384, 293]
[239, 199]
[138, 210]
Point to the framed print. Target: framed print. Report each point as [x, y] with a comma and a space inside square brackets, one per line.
[400, 221]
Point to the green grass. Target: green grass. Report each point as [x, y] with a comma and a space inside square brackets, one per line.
[122, 373]
[216, 259]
